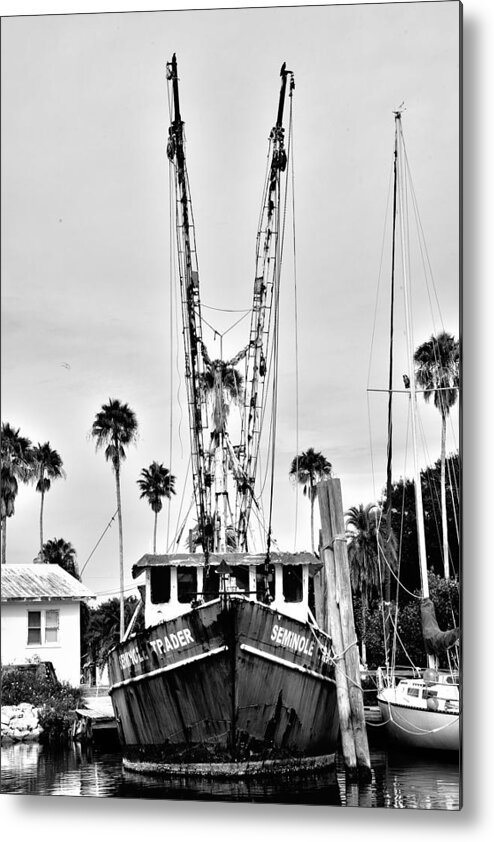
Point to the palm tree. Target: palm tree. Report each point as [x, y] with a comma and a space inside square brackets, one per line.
[102, 630]
[437, 364]
[309, 468]
[114, 427]
[16, 465]
[156, 482]
[223, 384]
[58, 551]
[48, 466]
[366, 531]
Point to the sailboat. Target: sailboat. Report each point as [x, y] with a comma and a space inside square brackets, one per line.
[232, 667]
[422, 711]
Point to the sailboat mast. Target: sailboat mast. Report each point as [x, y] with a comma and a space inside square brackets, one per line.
[413, 394]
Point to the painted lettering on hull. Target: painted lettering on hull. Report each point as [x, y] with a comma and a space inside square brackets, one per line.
[168, 643]
[131, 657]
[292, 641]
[171, 641]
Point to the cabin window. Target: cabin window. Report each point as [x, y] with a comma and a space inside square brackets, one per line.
[312, 596]
[34, 626]
[160, 585]
[292, 583]
[264, 580]
[413, 691]
[186, 584]
[239, 577]
[211, 587]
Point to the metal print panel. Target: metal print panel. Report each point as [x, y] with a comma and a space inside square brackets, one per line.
[231, 479]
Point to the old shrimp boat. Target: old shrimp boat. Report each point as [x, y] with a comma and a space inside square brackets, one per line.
[232, 665]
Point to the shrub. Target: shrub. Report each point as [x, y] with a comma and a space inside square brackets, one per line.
[55, 701]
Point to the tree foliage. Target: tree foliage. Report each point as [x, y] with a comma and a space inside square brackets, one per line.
[445, 595]
[16, 466]
[437, 370]
[155, 483]
[115, 427]
[102, 628]
[61, 552]
[404, 522]
[307, 469]
[47, 466]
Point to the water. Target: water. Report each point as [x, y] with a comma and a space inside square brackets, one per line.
[398, 780]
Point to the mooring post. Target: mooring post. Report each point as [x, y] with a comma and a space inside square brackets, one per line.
[338, 583]
[333, 627]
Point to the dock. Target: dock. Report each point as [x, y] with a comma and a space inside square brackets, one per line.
[95, 718]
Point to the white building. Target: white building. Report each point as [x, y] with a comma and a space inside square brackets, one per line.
[41, 606]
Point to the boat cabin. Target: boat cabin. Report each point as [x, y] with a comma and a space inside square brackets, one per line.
[176, 583]
[442, 695]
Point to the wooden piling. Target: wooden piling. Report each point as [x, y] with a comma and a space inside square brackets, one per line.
[341, 627]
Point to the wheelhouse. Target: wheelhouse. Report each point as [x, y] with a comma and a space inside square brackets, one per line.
[174, 584]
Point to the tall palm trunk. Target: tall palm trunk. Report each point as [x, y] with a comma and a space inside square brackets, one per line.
[155, 529]
[4, 540]
[120, 540]
[41, 525]
[312, 501]
[443, 497]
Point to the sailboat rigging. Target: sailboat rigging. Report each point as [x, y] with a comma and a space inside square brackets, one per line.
[422, 712]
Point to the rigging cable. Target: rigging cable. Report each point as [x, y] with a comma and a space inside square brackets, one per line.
[99, 541]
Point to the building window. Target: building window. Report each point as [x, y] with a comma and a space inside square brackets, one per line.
[51, 627]
[34, 627]
[42, 627]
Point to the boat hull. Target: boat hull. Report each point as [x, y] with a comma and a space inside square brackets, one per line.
[232, 679]
[418, 728]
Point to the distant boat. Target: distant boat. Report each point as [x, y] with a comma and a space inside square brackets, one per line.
[232, 665]
[422, 711]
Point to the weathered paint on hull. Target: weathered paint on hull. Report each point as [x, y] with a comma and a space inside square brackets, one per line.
[226, 675]
[420, 729]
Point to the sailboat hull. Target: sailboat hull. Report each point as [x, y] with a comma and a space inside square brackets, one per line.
[418, 727]
[232, 679]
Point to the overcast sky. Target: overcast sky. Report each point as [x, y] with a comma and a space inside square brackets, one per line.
[86, 230]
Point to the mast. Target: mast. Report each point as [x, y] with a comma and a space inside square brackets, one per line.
[191, 316]
[389, 477]
[265, 298]
[413, 394]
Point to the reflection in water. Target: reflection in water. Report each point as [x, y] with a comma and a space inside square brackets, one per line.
[399, 780]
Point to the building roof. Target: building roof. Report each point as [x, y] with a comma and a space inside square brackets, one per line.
[38, 582]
